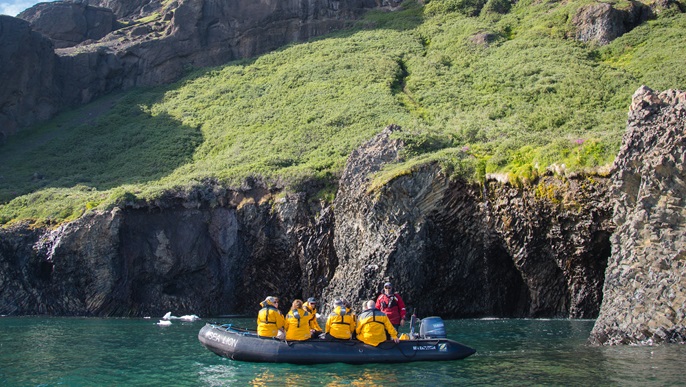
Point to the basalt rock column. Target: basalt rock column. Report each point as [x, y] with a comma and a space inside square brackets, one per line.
[422, 232]
[644, 298]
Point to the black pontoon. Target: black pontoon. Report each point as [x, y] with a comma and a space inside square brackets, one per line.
[242, 344]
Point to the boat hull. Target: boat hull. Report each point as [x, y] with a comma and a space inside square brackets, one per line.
[243, 345]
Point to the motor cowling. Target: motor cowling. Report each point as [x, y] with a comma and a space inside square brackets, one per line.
[432, 328]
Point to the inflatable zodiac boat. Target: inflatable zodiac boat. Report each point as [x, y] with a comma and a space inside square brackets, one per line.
[242, 344]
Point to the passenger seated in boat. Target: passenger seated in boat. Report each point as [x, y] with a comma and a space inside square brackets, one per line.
[340, 324]
[298, 322]
[350, 311]
[373, 324]
[349, 308]
[270, 321]
[311, 307]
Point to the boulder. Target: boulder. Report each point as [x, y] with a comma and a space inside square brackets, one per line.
[603, 23]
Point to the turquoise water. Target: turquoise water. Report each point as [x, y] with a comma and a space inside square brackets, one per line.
[37, 351]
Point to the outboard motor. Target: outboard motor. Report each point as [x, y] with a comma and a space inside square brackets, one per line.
[432, 328]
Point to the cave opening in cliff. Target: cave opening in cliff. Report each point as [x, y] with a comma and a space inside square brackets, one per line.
[509, 295]
[601, 251]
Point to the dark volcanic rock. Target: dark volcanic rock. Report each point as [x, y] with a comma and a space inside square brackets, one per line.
[557, 235]
[68, 24]
[603, 23]
[422, 233]
[127, 8]
[147, 261]
[27, 94]
[463, 250]
[645, 285]
[451, 248]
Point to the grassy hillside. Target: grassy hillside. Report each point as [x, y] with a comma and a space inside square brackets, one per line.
[488, 93]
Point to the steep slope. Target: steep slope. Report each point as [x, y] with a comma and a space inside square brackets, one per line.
[528, 101]
[158, 45]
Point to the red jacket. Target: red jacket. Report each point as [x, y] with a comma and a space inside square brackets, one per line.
[393, 306]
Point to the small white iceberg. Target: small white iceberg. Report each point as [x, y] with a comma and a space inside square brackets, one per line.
[164, 323]
[189, 317]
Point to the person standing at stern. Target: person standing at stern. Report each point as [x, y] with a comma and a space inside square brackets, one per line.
[392, 305]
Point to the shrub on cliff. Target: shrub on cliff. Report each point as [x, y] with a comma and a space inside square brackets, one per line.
[465, 7]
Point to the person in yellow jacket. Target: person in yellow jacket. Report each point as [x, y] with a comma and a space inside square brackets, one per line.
[311, 307]
[373, 324]
[340, 324]
[349, 308]
[270, 321]
[298, 322]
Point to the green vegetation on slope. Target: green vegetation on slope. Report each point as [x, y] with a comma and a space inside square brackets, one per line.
[496, 93]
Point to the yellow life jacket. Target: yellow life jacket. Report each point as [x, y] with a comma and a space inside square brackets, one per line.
[340, 324]
[297, 325]
[372, 326]
[269, 321]
[314, 324]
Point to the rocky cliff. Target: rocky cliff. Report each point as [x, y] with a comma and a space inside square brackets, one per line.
[67, 24]
[179, 255]
[460, 249]
[28, 91]
[645, 285]
[451, 248]
[153, 43]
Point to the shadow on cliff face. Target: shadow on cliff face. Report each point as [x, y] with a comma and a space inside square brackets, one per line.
[168, 265]
[592, 267]
[471, 273]
[102, 145]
